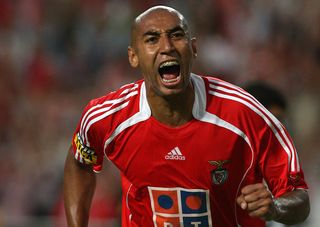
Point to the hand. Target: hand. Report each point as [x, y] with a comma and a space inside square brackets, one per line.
[257, 200]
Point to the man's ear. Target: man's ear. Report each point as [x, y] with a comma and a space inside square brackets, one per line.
[133, 58]
[194, 47]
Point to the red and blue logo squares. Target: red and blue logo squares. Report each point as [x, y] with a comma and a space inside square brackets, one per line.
[167, 221]
[177, 207]
[165, 201]
[193, 202]
[202, 221]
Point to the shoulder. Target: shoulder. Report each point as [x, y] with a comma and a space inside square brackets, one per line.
[126, 93]
[232, 97]
[112, 107]
[232, 103]
[221, 88]
[222, 94]
[213, 85]
[235, 105]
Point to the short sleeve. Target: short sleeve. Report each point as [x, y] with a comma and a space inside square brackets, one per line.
[87, 143]
[279, 162]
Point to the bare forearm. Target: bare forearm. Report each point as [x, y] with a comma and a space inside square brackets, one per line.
[79, 186]
[292, 208]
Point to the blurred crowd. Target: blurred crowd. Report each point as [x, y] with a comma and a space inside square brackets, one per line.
[56, 55]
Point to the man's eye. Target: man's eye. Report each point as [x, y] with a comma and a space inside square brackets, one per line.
[178, 35]
[151, 40]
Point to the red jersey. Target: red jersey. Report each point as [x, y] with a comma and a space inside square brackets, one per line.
[189, 175]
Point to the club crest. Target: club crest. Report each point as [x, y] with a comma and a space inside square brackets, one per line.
[220, 174]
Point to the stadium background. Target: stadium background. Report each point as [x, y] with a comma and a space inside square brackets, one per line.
[55, 55]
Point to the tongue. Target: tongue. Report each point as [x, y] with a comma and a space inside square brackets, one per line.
[168, 76]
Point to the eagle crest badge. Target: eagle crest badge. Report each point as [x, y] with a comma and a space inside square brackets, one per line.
[220, 174]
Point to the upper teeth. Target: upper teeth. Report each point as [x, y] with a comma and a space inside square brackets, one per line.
[168, 63]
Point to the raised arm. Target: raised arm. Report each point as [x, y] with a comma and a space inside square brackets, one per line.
[290, 208]
[79, 187]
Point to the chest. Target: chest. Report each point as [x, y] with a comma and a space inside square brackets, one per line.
[197, 155]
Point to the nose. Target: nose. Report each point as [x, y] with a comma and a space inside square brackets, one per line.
[166, 45]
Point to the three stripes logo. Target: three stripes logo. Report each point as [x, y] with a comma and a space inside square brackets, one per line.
[175, 154]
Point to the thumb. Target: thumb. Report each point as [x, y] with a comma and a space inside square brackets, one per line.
[242, 202]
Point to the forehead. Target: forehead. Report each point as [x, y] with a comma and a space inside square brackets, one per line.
[159, 20]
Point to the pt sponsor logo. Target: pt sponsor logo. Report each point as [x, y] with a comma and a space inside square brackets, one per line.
[177, 207]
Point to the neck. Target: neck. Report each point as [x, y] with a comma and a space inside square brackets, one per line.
[174, 110]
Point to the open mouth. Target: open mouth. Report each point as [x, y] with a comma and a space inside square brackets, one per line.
[169, 72]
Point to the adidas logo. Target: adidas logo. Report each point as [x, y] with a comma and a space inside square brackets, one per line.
[175, 154]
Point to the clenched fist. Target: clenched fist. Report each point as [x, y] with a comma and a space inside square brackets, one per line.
[258, 201]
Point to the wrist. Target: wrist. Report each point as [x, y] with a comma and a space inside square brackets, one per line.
[276, 211]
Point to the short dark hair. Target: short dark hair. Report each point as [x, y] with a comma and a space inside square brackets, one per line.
[266, 94]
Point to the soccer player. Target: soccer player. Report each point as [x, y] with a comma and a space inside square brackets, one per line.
[192, 150]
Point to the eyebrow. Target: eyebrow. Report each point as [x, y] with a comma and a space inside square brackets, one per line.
[169, 31]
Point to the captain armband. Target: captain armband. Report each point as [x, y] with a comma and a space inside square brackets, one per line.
[84, 154]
